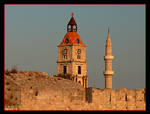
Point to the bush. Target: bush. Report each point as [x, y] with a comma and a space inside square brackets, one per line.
[66, 76]
[14, 70]
[7, 72]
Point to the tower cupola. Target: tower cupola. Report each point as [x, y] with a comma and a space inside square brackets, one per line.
[72, 26]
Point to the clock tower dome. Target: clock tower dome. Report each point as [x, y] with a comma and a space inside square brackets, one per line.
[71, 62]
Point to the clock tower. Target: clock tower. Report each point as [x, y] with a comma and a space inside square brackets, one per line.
[71, 62]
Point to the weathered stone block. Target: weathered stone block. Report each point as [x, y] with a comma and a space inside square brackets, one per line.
[131, 105]
[131, 96]
[140, 105]
[140, 95]
[121, 105]
[121, 94]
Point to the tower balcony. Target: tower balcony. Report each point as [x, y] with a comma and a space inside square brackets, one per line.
[108, 57]
[109, 73]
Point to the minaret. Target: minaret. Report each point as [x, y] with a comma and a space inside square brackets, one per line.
[108, 63]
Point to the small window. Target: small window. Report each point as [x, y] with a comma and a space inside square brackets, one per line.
[69, 28]
[79, 69]
[78, 56]
[74, 28]
[79, 51]
[65, 69]
[65, 56]
[77, 40]
[67, 40]
[65, 51]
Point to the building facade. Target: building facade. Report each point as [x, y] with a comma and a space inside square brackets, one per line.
[71, 62]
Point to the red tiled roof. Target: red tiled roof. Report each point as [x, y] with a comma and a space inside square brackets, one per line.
[73, 38]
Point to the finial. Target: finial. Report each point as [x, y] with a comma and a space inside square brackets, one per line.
[72, 14]
[108, 37]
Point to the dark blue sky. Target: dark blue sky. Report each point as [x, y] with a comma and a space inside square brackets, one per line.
[32, 33]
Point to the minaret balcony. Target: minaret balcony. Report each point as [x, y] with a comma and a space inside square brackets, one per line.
[110, 57]
[109, 72]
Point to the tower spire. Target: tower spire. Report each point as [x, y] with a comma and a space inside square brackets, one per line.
[108, 37]
[72, 26]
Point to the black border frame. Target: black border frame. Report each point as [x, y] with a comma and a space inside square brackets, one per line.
[62, 2]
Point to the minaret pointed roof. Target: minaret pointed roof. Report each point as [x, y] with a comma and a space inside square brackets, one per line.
[108, 37]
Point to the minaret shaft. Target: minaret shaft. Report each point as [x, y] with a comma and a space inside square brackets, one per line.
[108, 63]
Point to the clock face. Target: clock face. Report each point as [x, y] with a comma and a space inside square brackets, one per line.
[67, 40]
[79, 51]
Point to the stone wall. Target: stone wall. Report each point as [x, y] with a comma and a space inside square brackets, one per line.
[38, 91]
[12, 93]
[119, 99]
[54, 99]
[75, 99]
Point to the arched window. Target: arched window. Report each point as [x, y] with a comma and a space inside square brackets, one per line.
[69, 28]
[74, 28]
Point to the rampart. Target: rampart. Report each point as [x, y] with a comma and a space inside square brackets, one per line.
[119, 99]
[54, 93]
